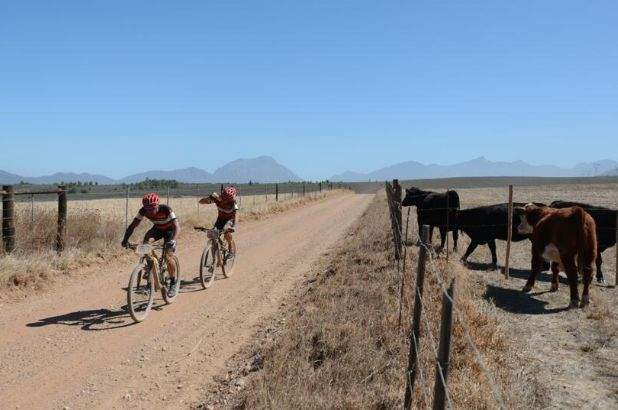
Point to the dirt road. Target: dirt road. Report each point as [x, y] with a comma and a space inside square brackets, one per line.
[76, 347]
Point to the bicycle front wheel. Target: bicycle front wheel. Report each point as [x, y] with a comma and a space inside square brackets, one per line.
[140, 293]
[207, 267]
[228, 264]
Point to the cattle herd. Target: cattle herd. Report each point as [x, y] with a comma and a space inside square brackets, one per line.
[571, 236]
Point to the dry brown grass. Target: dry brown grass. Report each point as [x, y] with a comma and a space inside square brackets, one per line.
[340, 347]
[95, 228]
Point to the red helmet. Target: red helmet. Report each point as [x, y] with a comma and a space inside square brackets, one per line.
[229, 193]
[150, 200]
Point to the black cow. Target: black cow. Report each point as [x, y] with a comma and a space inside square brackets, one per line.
[605, 220]
[431, 209]
[485, 224]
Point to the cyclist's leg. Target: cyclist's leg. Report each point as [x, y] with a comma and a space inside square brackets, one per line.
[229, 229]
[169, 253]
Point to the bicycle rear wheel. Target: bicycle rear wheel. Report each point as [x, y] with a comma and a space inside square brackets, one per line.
[164, 289]
[207, 267]
[140, 294]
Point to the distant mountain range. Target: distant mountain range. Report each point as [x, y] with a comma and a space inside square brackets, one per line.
[262, 169]
[479, 167]
[267, 170]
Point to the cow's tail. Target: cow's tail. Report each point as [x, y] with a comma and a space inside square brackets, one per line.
[582, 248]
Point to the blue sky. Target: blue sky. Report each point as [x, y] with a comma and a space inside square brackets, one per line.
[118, 87]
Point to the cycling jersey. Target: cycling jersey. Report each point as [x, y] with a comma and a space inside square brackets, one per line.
[227, 209]
[162, 220]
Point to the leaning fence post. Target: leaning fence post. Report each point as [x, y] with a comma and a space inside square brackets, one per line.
[8, 215]
[62, 218]
[397, 199]
[126, 208]
[415, 333]
[448, 212]
[403, 271]
[509, 237]
[440, 387]
[616, 249]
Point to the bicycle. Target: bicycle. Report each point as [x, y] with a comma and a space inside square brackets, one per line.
[149, 275]
[215, 254]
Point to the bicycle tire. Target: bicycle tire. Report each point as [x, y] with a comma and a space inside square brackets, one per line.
[137, 309]
[166, 297]
[228, 266]
[207, 268]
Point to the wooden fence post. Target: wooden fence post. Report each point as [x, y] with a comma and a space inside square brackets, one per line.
[440, 386]
[415, 333]
[403, 270]
[509, 237]
[304, 189]
[448, 213]
[8, 221]
[277, 192]
[397, 199]
[126, 209]
[616, 249]
[391, 207]
[62, 218]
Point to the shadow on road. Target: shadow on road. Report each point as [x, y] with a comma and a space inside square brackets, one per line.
[91, 320]
[515, 301]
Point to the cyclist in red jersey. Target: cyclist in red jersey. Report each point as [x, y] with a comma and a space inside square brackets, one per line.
[226, 217]
[165, 226]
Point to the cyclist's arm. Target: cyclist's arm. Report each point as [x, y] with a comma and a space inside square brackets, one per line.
[210, 199]
[130, 230]
[176, 229]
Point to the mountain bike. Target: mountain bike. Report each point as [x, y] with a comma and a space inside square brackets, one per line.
[215, 255]
[150, 275]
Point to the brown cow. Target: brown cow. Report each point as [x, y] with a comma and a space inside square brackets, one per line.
[560, 236]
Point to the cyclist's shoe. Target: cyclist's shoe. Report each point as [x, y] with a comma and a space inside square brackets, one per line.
[230, 255]
[171, 290]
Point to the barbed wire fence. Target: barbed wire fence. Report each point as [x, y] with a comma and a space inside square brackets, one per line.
[439, 346]
[31, 220]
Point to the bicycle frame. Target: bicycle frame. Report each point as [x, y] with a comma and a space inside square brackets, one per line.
[153, 261]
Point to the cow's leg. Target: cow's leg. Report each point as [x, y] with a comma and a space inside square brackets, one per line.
[455, 239]
[600, 278]
[537, 265]
[443, 233]
[570, 268]
[587, 280]
[471, 248]
[555, 276]
[494, 257]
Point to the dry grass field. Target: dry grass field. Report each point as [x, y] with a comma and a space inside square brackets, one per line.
[94, 229]
[336, 343]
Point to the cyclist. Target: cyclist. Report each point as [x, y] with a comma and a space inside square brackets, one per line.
[226, 218]
[165, 226]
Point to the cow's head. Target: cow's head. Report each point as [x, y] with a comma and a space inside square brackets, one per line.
[414, 196]
[529, 215]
